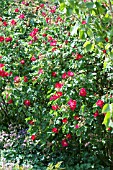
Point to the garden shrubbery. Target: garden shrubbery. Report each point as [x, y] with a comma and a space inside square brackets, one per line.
[56, 102]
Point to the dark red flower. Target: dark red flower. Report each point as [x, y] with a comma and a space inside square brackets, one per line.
[16, 10]
[83, 22]
[64, 143]
[41, 5]
[31, 122]
[54, 107]
[21, 16]
[27, 102]
[72, 104]
[13, 22]
[76, 126]
[78, 56]
[16, 79]
[5, 23]
[100, 103]
[70, 73]
[33, 58]
[25, 79]
[1, 38]
[54, 74]
[2, 65]
[8, 39]
[96, 114]
[55, 130]
[106, 39]
[82, 92]
[68, 136]
[10, 101]
[76, 117]
[64, 120]
[33, 137]
[104, 51]
[64, 76]
[58, 85]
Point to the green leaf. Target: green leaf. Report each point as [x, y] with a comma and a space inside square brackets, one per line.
[106, 108]
[90, 5]
[81, 34]
[90, 33]
[62, 6]
[107, 119]
[75, 28]
[88, 46]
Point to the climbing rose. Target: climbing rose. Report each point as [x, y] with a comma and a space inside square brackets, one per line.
[78, 56]
[68, 136]
[64, 120]
[64, 143]
[100, 103]
[55, 130]
[54, 107]
[64, 75]
[58, 85]
[82, 92]
[70, 73]
[72, 104]
[33, 137]
[8, 39]
[96, 114]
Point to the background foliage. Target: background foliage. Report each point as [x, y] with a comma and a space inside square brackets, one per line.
[56, 64]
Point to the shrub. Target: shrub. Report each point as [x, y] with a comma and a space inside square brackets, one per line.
[56, 73]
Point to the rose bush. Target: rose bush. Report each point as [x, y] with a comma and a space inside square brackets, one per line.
[56, 74]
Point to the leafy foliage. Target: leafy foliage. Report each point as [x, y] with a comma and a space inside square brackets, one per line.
[56, 80]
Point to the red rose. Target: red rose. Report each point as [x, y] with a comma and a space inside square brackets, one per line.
[27, 102]
[21, 16]
[5, 23]
[83, 22]
[76, 126]
[53, 43]
[41, 5]
[1, 38]
[33, 137]
[10, 101]
[25, 79]
[78, 56]
[2, 65]
[65, 120]
[13, 22]
[70, 73]
[16, 79]
[96, 114]
[68, 136]
[54, 74]
[55, 130]
[54, 107]
[76, 117]
[31, 122]
[16, 10]
[104, 51]
[64, 75]
[106, 39]
[100, 103]
[58, 85]
[72, 104]
[8, 39]
[33, 58]
[64, 143]
[82, 92]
